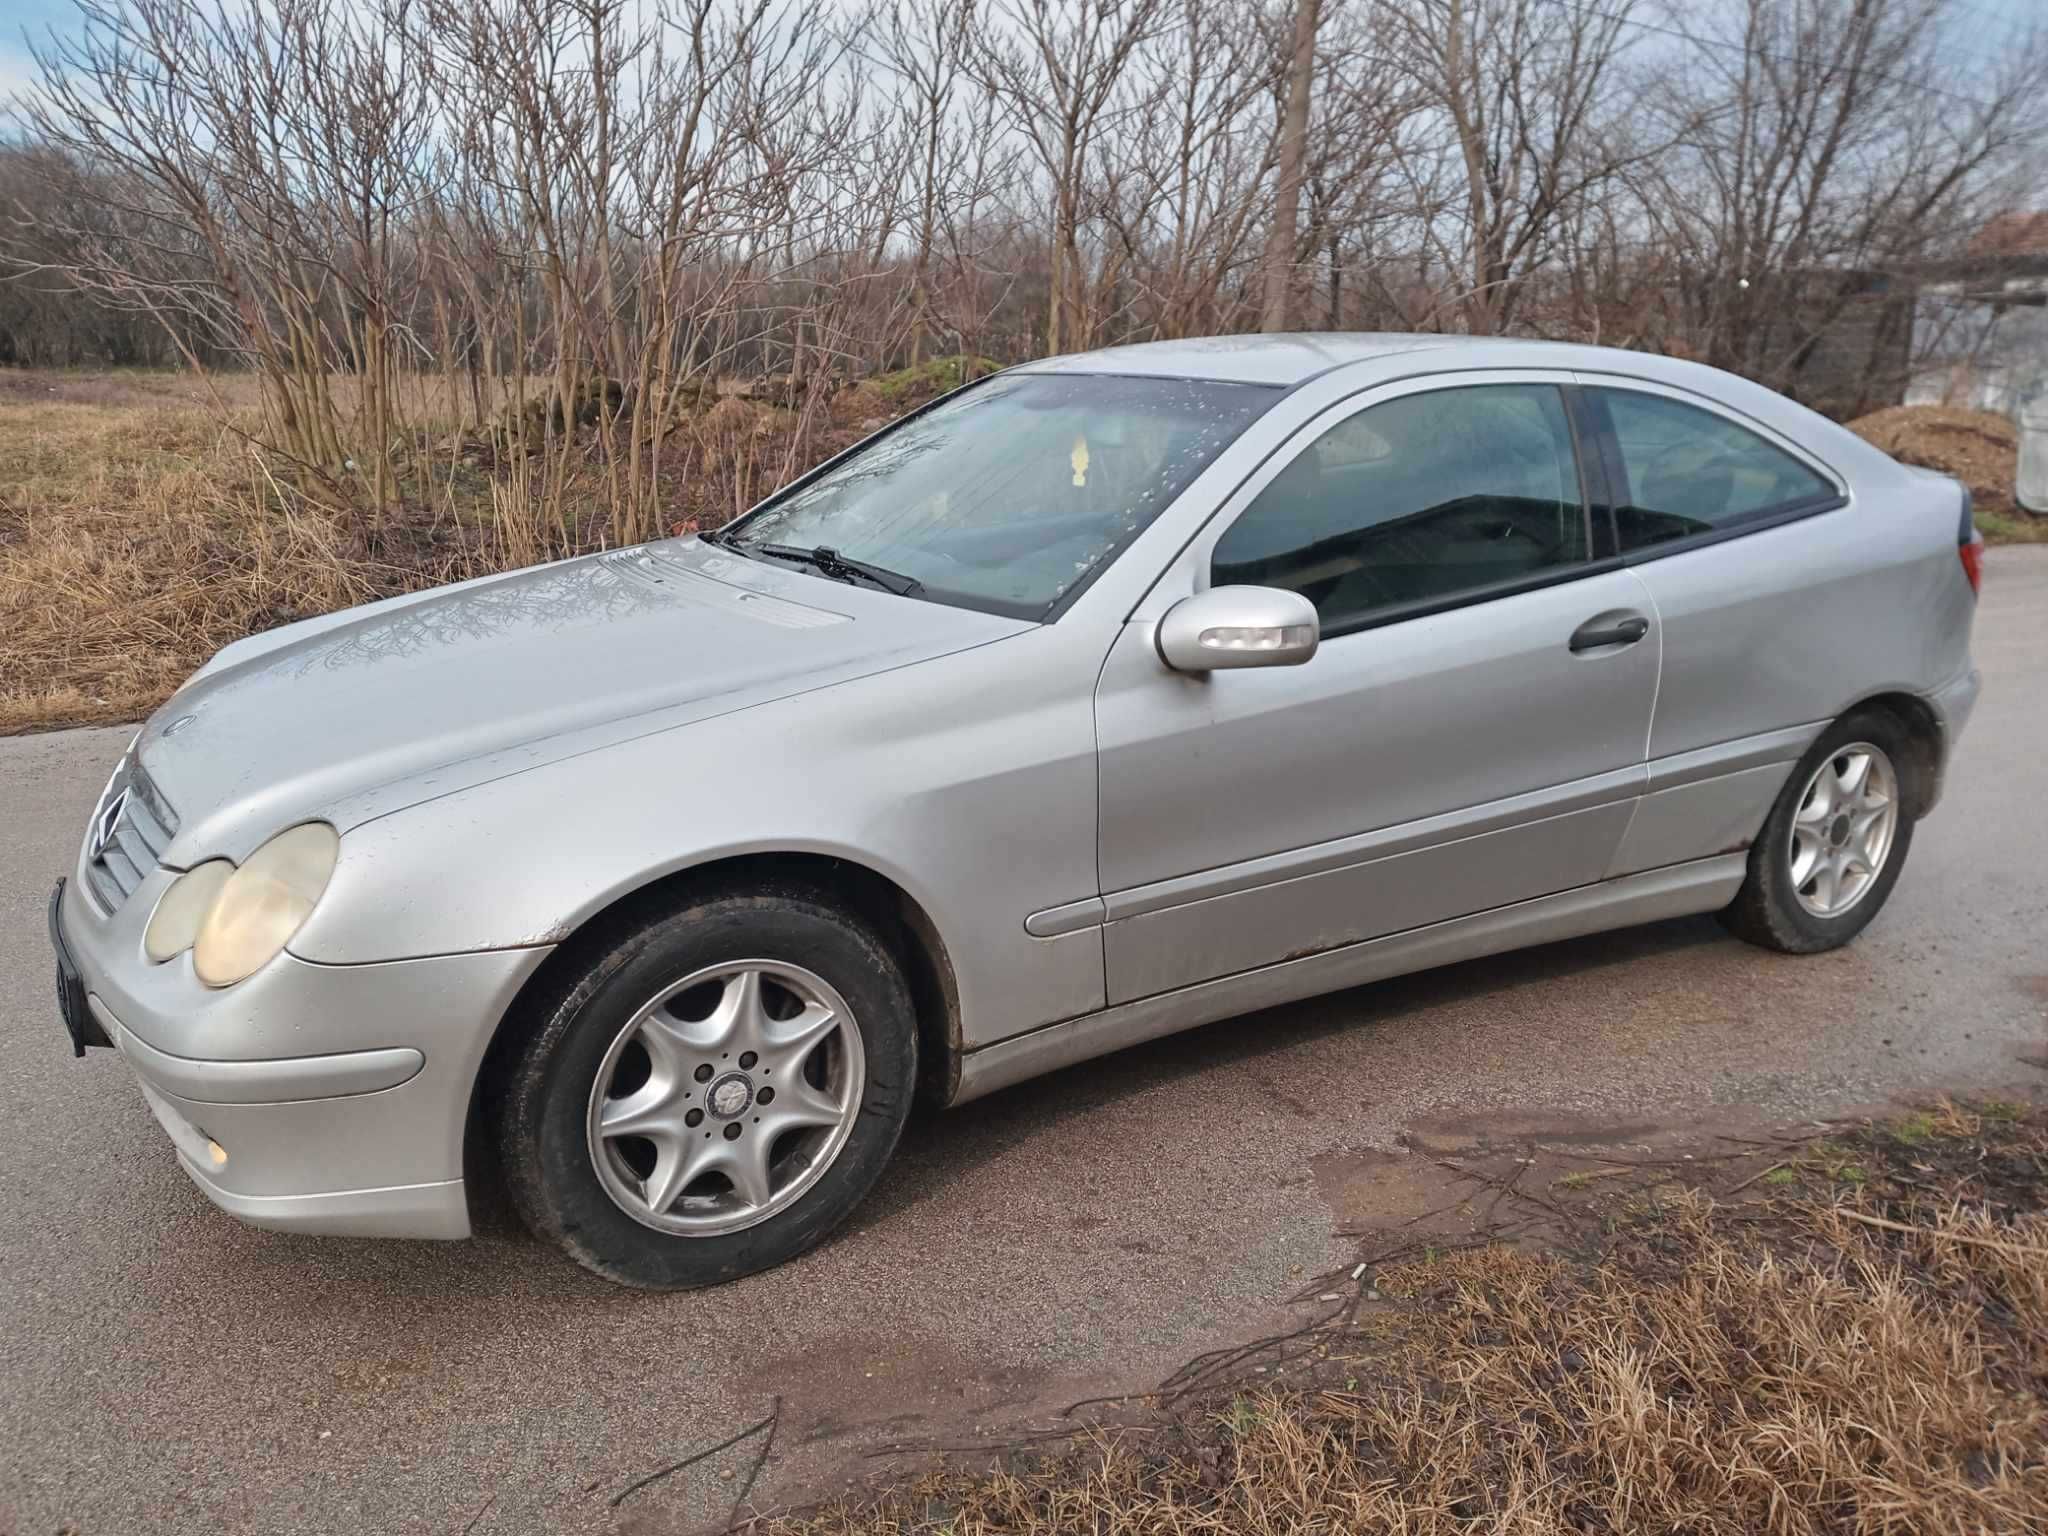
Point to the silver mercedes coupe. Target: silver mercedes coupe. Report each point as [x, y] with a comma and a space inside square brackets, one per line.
[1107, 696]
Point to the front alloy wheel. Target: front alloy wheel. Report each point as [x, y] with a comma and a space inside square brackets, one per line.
[708, 1092]
[726, 1097]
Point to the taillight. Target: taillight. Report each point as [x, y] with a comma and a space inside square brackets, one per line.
[1970, 543]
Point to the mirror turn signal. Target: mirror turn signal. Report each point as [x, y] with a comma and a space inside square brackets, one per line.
[1239, 627]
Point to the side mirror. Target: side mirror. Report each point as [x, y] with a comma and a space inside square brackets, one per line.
[1239, 627]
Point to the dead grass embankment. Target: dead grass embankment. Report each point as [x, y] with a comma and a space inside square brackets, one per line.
[137, 537]
[1851, 1339]
[141, 529]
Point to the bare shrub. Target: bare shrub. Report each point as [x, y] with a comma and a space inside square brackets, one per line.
[484, 267]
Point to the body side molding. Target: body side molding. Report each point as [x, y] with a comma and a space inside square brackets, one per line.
[1700, 886]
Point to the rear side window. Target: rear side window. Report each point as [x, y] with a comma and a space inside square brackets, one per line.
[1686, 471]
[1420, 500]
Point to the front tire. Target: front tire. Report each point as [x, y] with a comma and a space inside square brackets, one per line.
[1832, 848]
[713, 1093]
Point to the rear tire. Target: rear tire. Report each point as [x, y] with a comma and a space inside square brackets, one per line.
[1832, 848]
[713, 1093]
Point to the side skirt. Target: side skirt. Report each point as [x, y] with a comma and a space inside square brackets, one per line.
[1703, 885]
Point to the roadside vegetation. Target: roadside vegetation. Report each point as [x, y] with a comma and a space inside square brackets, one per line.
[1838, 1332]
[142, 527]
[452, 288]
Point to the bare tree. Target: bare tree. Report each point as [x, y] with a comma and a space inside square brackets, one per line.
[1281, 240]
[1058, 67]
[1182, 193]
[1823, 151]
[1362, 223]
[1528, 91]
[541, 238]
[925, 43]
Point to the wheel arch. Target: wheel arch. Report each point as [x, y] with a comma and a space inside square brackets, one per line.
[859, 890]
[1922, 724]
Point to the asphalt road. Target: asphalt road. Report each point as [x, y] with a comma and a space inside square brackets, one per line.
[164, 1369]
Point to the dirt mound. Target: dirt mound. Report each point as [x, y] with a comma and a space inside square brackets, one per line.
[735, 417]
[1980, 448]
[871, 402]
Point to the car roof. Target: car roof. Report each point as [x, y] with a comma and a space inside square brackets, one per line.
[1289, 359]
[1285, 358]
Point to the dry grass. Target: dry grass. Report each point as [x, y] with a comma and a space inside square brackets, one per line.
[140, 531]
[1870, 1363]
[136, 538]
[2014, 527]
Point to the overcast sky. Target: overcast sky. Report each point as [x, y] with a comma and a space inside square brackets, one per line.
[1989, 24]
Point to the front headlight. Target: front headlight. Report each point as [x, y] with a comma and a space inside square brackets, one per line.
[181, 909]
[262, 904]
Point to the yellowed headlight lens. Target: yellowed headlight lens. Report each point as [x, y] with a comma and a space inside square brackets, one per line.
[263, 903]
[181, 909]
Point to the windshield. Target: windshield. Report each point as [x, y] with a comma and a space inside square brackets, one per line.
[1011, 495]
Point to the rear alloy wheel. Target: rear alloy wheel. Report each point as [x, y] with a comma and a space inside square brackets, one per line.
[1842, 831]
[1834, 843]
[710, 1093]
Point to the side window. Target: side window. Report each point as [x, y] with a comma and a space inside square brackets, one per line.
[1421, 498]
[1690, 471]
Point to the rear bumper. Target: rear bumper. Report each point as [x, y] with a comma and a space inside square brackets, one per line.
[1954, 702]
[311, 1098]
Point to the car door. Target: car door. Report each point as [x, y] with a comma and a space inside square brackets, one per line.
[1761, 597]
[1470, 732]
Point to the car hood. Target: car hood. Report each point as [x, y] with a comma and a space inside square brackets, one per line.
[362, 712]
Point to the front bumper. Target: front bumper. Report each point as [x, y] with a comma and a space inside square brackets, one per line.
[72, 1003]
[313, 1098]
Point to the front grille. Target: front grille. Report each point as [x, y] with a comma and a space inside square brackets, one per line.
[131, 827]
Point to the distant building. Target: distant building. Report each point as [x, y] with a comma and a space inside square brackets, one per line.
[1982, 320]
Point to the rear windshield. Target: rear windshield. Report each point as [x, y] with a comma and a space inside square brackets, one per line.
[1013, 494]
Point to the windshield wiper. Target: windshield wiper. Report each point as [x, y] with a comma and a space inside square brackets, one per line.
[827, 561]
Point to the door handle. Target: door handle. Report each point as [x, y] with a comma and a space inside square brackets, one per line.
[1606, 630]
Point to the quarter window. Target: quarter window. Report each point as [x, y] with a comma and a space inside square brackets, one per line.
[1421, 499]
[1686, 471]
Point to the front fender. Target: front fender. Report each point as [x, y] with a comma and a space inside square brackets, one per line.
[974, 794]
